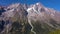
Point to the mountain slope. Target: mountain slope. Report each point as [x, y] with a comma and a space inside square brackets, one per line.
[24, 19]
[43, 19]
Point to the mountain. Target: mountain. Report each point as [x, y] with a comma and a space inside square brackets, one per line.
[28, 19]
[43, 19]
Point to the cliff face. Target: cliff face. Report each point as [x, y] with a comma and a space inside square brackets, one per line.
[23, 19]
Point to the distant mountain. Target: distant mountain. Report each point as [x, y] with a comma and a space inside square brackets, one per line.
[28, 19]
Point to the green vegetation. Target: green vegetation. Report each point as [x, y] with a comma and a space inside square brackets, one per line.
[55, 32]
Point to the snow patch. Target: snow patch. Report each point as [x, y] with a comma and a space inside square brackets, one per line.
[37, 3]
[28, 10]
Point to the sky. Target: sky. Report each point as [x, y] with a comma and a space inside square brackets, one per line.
[48, 3]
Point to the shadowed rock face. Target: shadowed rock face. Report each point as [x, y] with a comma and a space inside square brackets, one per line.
[2, 25]
[2, 10]
[23, 19]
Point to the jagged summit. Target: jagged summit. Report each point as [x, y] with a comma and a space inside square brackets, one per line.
[39, 4]
[13, 5]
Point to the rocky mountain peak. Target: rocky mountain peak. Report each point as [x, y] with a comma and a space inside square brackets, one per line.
[25, 19]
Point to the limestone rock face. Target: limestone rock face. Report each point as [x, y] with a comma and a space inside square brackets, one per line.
[24, 19]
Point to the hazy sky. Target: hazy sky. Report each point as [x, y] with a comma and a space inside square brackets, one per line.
[48, 3]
